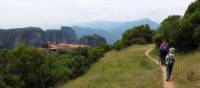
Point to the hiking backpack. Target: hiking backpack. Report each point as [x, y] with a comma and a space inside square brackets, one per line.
[170, 59]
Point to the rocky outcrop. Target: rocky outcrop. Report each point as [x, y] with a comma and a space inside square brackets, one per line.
[65, 35]
[88, 31]
[10, 38]
[34, 36]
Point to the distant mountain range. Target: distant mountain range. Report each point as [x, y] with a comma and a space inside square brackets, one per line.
[112, 31]
[35, 36]
[80, 31]
[109, 25]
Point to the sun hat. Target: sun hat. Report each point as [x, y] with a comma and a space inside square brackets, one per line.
[172, 50]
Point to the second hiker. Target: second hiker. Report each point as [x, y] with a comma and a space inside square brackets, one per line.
[170, 59]
[163, 51]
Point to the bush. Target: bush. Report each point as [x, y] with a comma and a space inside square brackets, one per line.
[137, 35]
[158, 39]
[81, 59]
[26, 67]
[106, 48]
[2, 83]
[118, 45]
[196, 35]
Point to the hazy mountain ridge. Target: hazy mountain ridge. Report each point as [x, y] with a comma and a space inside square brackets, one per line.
[112, 31]
[110, 25]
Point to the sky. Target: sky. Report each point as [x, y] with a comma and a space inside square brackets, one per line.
[54, 13]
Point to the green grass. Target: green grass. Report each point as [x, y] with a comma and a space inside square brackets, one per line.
[186, 69]
[128, 68]
[155, 53]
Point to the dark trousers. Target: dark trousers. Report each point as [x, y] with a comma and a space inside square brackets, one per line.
[163, 54]
[169, 71]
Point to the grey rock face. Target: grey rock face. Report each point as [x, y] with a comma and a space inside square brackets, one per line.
[65, 35]
[12, 37]
[36, 37]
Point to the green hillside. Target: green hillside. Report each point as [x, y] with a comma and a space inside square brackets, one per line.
[128, 68]
[186, 69]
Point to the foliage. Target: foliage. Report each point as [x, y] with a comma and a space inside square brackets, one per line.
[181, 33]
[26, 67]
[137, 35]
[81, 59]
[118, 45]
[158, 39]
[196, 35]
[106, 48]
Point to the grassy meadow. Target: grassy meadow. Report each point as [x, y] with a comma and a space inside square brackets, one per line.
[186, 70]
[128, 68]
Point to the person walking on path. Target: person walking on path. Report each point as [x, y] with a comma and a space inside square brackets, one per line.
[163, 51]
[170, 59]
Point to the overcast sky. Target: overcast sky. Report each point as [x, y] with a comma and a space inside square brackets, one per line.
[43, 13]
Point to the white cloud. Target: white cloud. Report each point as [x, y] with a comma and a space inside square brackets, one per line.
[57, 12]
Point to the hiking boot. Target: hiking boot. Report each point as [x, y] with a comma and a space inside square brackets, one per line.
[167, 79]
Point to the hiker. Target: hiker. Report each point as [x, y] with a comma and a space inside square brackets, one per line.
[163, 51]
[170, 59]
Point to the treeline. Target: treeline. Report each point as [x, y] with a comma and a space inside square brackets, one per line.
[26, 67]
[183, 33]
[137, 35]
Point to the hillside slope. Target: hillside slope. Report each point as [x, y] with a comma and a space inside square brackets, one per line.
[128, 68]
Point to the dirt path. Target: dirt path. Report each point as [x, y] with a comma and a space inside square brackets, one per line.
[166, 84]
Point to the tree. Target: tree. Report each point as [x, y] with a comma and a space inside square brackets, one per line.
[181, 32]
[137, 35]
[27, 67]
[30, 68]
[167, 28]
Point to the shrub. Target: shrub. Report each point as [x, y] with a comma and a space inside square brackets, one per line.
[81, 59]
[26, 67]
[106, 48]
[158, 39]
[137, 35]
[29, 68]
[196, 35]
[118, 45]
